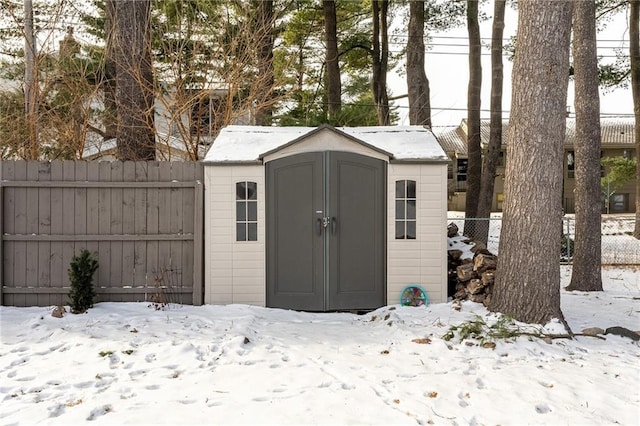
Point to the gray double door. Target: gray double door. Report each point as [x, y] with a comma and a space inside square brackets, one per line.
[326, 224]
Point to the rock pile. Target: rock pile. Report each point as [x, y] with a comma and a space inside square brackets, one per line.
[470, 278]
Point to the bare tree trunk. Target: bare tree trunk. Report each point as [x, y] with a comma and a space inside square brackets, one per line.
[334, 88]
[587, 260]
[31, 86]
[634, 53]
[417, 82]
[109, 83]
[474, 168]
[264, 113]
[492, 153]
[527, 282]
[380, 54]
[134, 92]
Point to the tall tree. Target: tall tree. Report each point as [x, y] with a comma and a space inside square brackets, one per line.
[334, 88]
[587, 274]
[474, 168]
[417, 82]
[31, 85]
[134, 80]
[265, 22]
[528, 276]
[492, 153]
[380, 53]
[634, 53]
[109, 83]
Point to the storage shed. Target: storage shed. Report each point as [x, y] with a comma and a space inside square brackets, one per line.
[324, 219]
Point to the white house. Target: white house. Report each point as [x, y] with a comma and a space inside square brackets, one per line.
[325, 218]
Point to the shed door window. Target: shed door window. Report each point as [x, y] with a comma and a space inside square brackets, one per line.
[406, 210]
[246, 211]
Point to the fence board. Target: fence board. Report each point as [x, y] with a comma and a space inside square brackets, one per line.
[139, 219]
[20, 250]
[117, 170]
[44, 227]
[8, 210]
[57, 214]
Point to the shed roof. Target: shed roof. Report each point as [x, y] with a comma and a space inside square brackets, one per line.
[239, 144]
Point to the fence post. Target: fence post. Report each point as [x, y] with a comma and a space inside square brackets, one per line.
[568, 239]
[198, 242]
[1, 237]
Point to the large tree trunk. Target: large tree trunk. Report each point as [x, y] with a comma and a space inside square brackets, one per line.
[134, 80]
[109, 83]
[265, 40]
[527, 282]
[634, 53]
[380, 53]
[474, 168]
[492, 153]
[417, 82]
[587, 275]
[334, 87]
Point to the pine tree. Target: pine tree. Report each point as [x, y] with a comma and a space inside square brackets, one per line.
[81, 277]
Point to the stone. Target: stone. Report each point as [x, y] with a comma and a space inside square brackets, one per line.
[488, 277]
[475, 286]
[455, 254]
[483, 262]
[593, 331]
[465, 272]
[477, 298]
[452, 230]
[58, 312]
[623, 332]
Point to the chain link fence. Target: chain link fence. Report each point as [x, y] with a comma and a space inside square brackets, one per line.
[619, 247]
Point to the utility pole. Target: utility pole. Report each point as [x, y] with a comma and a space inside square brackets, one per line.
[30, 82]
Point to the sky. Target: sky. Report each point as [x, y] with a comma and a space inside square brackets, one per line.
[448, 73]
[129, 363]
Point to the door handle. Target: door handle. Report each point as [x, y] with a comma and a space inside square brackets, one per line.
[334, 225]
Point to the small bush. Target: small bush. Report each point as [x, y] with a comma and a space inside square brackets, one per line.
[567, 249]
[81, 276]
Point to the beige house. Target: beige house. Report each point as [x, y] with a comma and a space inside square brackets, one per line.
[324, 218]
[617, 140]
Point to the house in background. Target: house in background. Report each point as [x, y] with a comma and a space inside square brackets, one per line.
[184, 128]
[617, 140]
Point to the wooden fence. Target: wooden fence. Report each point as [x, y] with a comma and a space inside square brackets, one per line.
[142, 220]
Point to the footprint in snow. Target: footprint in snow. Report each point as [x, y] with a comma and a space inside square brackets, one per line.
[100, 411]
[56, 410]
[543, 408]
[480, 383]
[463, 399]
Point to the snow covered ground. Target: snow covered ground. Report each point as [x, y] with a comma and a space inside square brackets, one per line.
[127, 363]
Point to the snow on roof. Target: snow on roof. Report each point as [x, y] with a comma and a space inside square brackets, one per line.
[250, 143]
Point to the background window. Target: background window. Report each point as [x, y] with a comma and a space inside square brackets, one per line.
[406, 210]
[246, 211]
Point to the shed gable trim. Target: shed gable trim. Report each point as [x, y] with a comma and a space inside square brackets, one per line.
[322, 128]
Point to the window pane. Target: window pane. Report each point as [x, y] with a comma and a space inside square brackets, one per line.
[400, 209]
[252, 210]
[411, 189]
[252, 191]
[253, 232]
[399, 230]
[400, 192]
[411, 209]
[241, 211]
[411, 230]
[241, 191]
[241, 232]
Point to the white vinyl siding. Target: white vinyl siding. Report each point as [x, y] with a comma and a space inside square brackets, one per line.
[235, 270]
[421, 261]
